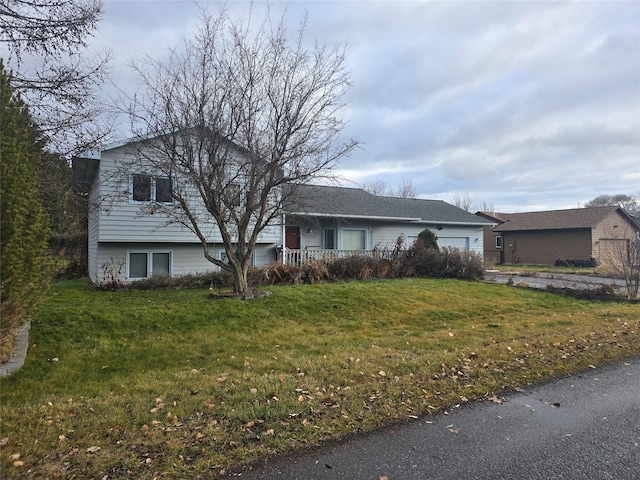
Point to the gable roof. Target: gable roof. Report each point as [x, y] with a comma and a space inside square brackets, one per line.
[555, 219]
[356, 203]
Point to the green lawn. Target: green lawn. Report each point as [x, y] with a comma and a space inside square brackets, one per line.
[174, 384]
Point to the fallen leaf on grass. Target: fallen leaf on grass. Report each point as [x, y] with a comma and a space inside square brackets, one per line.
[18, 463]
[15, 456]
[93, 449]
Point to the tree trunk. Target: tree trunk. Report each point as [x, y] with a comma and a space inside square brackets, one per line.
[240, 280]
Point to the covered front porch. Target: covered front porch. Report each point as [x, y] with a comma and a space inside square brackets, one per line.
[299, 257]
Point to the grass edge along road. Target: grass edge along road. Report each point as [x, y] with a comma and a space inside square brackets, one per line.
[173, 384]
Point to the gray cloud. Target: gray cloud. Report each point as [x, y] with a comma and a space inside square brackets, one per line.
[526, 105]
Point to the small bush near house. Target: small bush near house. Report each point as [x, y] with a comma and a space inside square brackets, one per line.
[462, 264]
[315, 271]
[356, 267]
[428, 239]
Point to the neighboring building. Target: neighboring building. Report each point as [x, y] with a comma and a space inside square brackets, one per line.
[581, 236]
[128, 239]
[492, 240]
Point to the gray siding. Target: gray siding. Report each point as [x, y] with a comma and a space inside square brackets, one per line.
[93, 233]
[186, 258]
[122, 221]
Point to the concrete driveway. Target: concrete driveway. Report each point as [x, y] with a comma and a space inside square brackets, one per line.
[542, 279]
[585, 426]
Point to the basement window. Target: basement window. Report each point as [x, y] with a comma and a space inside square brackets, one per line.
[146, 264]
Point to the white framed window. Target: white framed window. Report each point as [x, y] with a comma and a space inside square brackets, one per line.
[498, 242]
[329, 239]
[144, 264]
[354, 239]
[223, 257]
[233, 195]
[148, 188]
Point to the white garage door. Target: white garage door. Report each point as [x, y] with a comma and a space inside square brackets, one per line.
[456, 242]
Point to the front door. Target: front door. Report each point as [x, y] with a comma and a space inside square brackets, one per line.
[292, 238]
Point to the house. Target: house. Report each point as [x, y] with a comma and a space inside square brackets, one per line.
[580, 236]
[327, 218]
[129, 237]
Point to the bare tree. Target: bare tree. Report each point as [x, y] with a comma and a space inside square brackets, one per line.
[380, 187]
[238, 118]
[629, 203]
[621, 255]
[407, 189]
[46, 42]
[462, 201]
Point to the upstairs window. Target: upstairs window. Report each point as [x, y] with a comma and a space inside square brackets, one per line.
[141, 188]
[148, 188]
[233, 195]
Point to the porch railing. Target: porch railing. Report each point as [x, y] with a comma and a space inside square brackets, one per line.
[302, 256]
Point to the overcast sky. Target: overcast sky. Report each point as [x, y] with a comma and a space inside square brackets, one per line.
[519, 105]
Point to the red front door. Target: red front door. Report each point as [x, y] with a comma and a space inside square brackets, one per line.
[292, 237]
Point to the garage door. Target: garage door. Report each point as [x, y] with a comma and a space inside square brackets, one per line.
[456, 242]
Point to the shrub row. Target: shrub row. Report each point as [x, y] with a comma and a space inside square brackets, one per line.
[417, 261]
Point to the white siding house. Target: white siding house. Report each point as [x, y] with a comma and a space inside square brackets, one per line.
[129, 240]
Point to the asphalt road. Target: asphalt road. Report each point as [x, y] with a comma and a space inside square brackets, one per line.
[585, 426]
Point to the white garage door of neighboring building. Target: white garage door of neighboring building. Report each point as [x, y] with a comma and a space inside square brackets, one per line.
[456, 242]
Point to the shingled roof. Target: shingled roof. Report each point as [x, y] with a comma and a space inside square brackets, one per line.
[554, 219]
[342, 202]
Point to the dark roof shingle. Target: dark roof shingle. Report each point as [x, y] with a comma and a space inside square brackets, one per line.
[320, 200]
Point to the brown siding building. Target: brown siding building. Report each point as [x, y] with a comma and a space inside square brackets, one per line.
[578, 236]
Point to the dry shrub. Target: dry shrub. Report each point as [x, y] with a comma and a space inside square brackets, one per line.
[462, 264]
[164, 282]
[315, 271]
[280, 273]
[356, 267]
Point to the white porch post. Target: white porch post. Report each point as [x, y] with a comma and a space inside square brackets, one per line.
[284, 240]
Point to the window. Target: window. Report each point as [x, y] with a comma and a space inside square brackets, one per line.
[498, 242]
[141, 188]
[163, 190]
[225, 259]
[329, 239]
[147, 188]
[232, 195]
[146, 264]
[354, 239]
